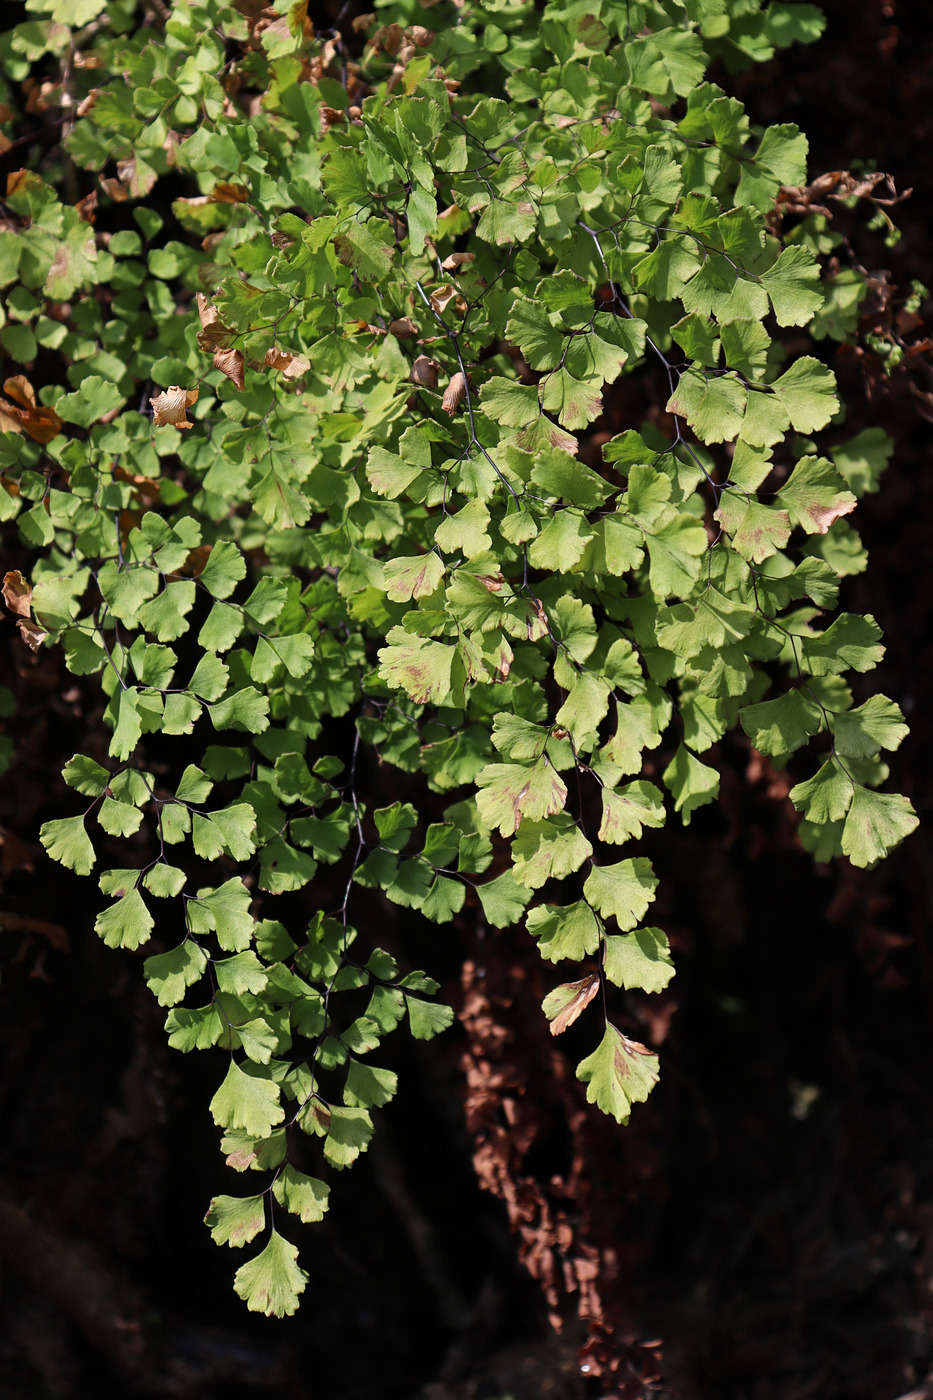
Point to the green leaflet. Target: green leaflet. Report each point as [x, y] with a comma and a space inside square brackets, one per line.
[360, 526]
[618, 1074]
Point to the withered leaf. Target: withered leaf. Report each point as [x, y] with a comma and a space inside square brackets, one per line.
[424, 372]
[20, 390]
[457, 260]
[403, 328]
[168, 408]
[87, 207]
[30, 632]
[24, 415]
[231, 364]
[442, 298]
[291, 366]
[454, 393]
[88, 102]
[213, 335]
[225, 192]
[17, 593]
[115, 188]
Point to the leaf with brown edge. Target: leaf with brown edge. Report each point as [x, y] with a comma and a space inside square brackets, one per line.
[454, 393]
[19, 180]
[568, 1001]
[290, 366]
[138, 182]
[168, 408]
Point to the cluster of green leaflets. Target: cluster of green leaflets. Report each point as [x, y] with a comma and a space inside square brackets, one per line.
[369, 504]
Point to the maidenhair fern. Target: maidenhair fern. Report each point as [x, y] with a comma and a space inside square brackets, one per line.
[316, 457]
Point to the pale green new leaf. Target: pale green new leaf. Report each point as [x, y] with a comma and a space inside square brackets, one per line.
[860, 733]
[691, 783]
[67, 841]
[235, 1220]
[247, 1101]
[639, 959]
[303, 1195]
[876, 823]
[622, 891]
[271, 1283]
[570, 932]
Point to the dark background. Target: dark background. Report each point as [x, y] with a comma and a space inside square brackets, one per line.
[768, 1215]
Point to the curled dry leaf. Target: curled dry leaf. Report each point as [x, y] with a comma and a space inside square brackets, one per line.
[403, 328]
[19, 180]
[291, 366]
[457, 260]
[387, 38]
[330, 116]
[31, 633]
[232, 366]
[454, 393]
[224, 192]
[24, 415]
[446, 295]
[362, 22]
[115, 188]
[422, 37]
[168, 408]
[17, 594]
[20, 390]
[424, 372]
[87, 207]
[565, 1003]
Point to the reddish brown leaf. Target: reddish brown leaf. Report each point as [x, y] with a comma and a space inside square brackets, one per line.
[224, 192]
[36, 421]
[403, 328]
